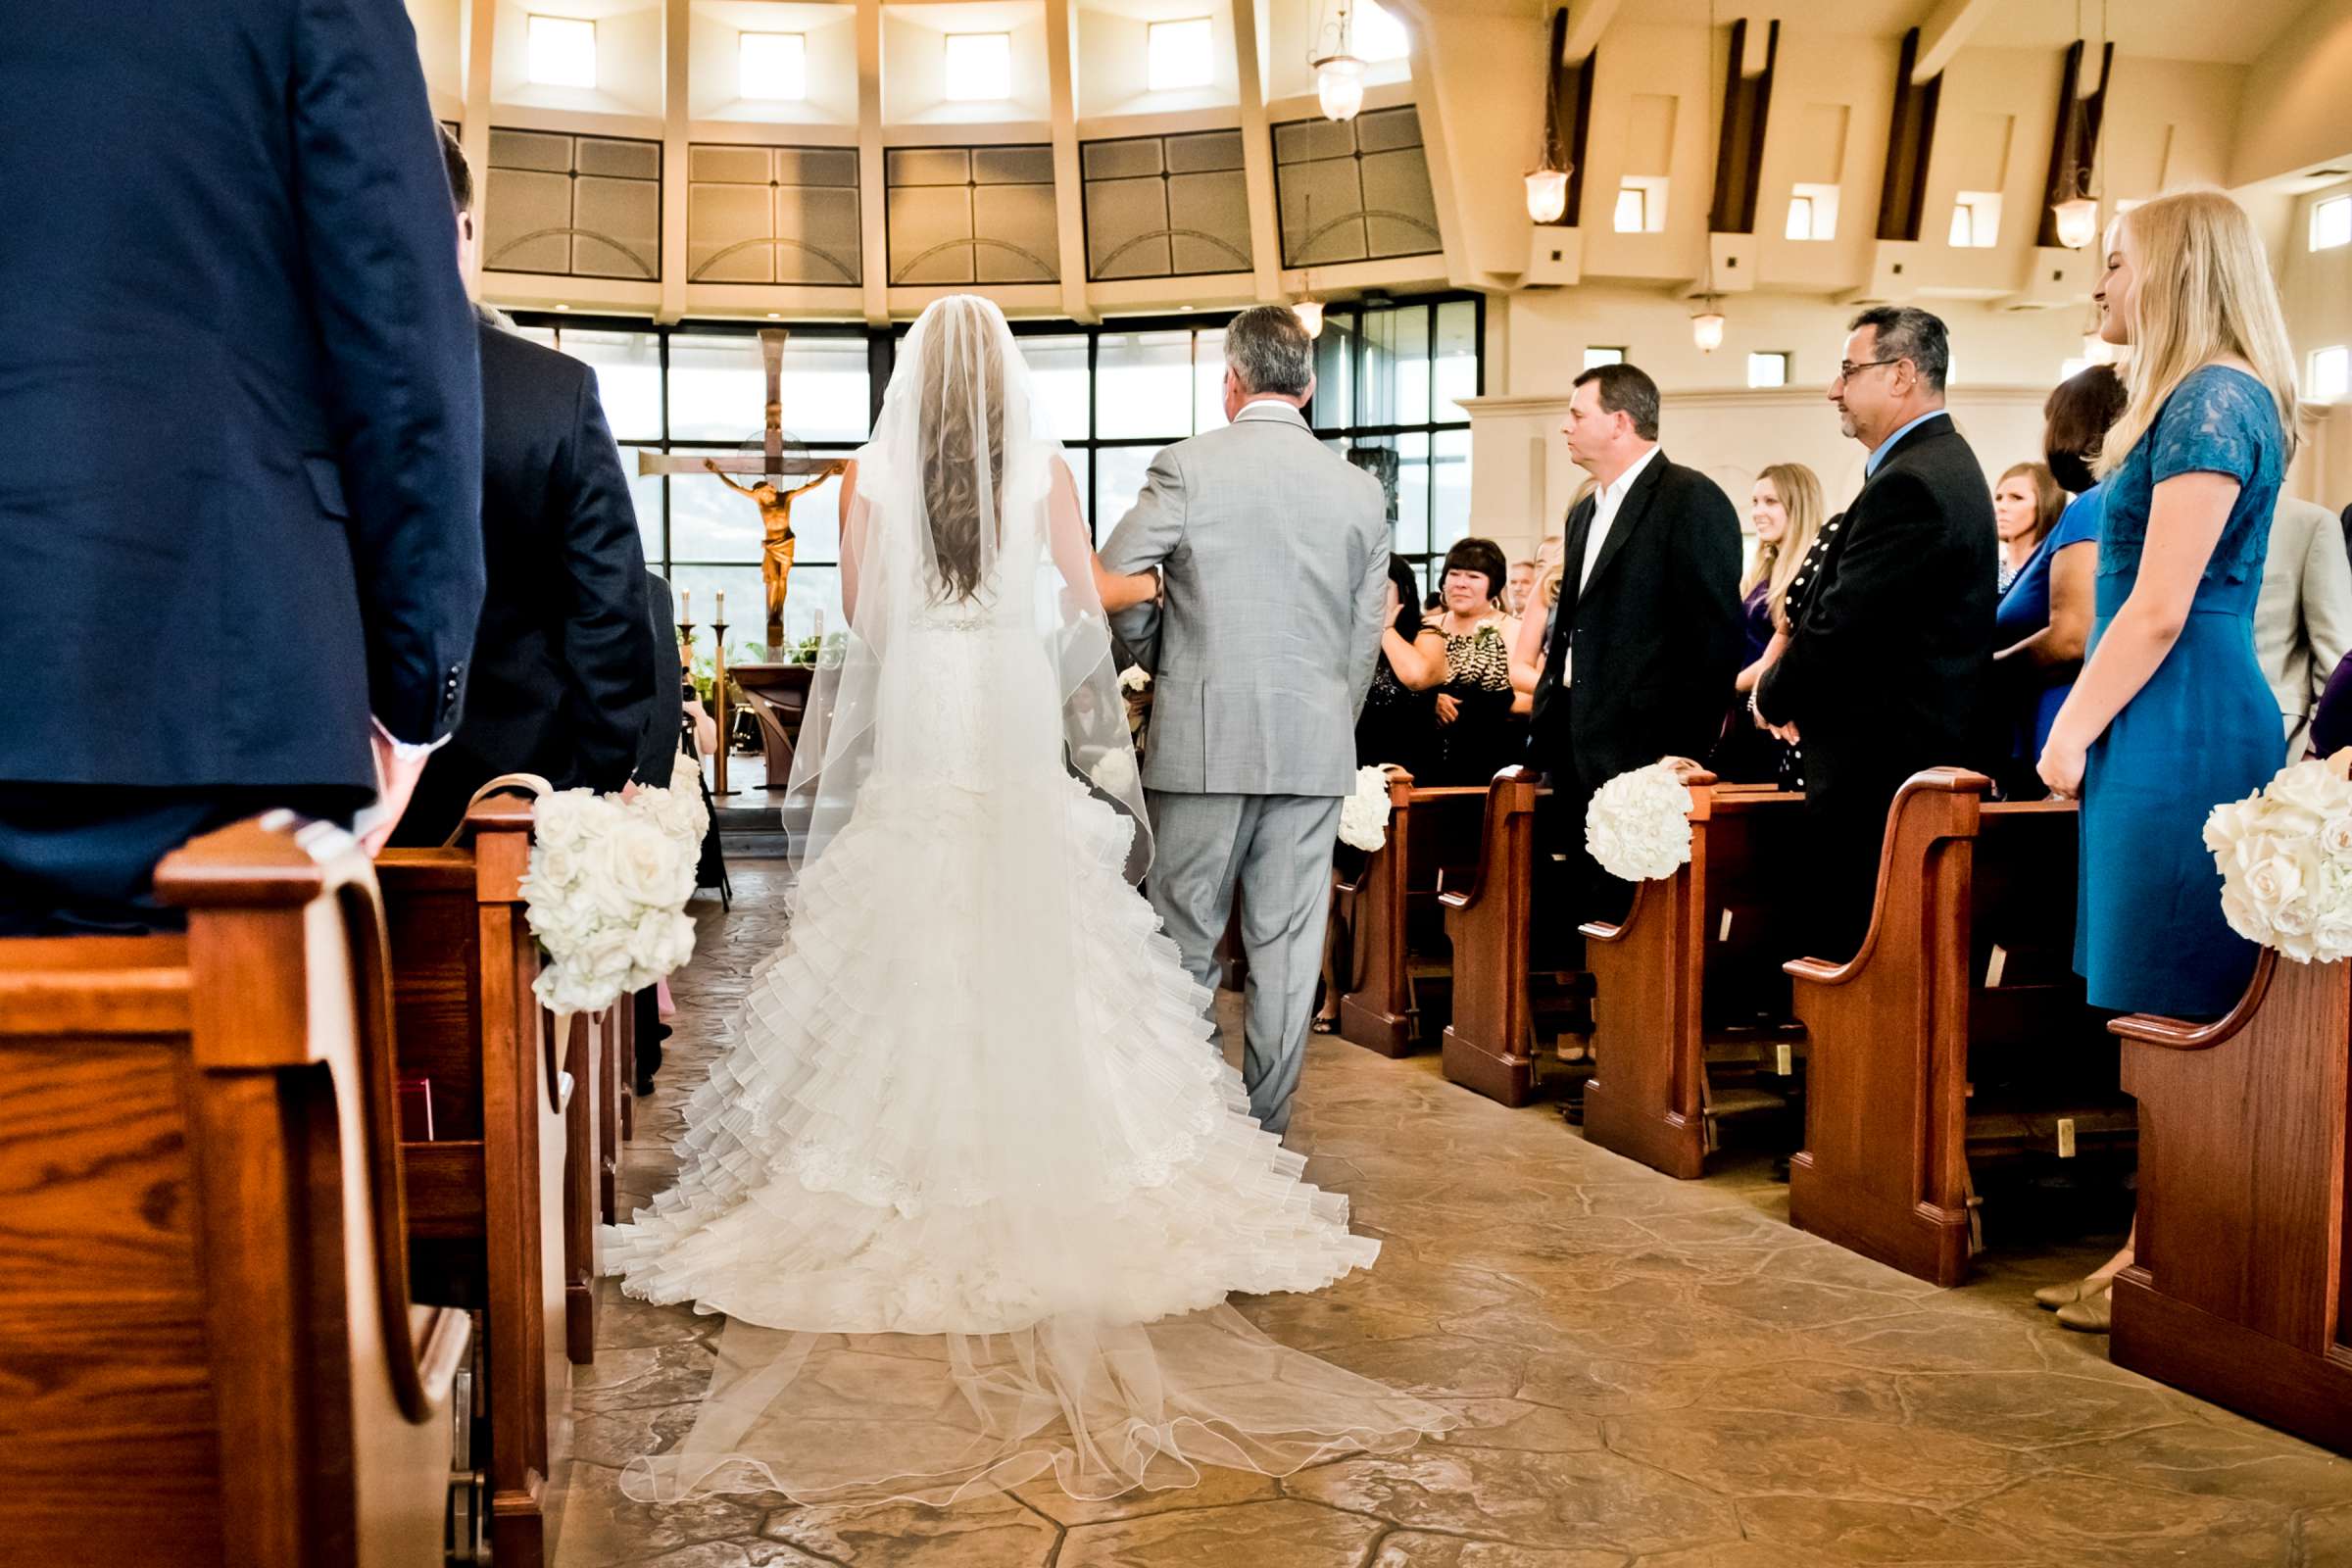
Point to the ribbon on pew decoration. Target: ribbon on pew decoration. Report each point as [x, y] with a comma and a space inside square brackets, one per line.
[1638, 827]
[2284, 854]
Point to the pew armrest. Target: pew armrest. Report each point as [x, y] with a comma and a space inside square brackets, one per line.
[444, 1333]
[1964, 792]
[1513, 790]
[2179, 1034]
[283, 861]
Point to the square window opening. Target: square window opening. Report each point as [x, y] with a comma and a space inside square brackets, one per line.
[979, 67]
[562, 52]
[772, 67]
[1179, 55]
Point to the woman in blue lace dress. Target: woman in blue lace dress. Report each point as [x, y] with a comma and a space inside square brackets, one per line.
[2171, 714]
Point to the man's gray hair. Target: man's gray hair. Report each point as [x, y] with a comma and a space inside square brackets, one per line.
[1905, 332]
[1267, 348]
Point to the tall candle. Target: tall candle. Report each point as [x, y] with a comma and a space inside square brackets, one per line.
[686, 606]
[718, 617]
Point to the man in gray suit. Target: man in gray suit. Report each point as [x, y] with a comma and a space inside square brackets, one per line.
[1274, 552]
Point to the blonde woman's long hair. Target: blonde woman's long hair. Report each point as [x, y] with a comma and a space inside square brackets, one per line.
[1800, 497]
[2201, 292]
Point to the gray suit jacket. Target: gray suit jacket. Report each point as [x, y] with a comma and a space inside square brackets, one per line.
[2303, 620]
[1275, 554]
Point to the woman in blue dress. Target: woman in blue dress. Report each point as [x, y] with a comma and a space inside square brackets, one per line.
[2042, 627]
[2171, 714]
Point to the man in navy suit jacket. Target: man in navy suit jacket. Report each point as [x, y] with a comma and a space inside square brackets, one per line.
[240, 434]
[562, 674]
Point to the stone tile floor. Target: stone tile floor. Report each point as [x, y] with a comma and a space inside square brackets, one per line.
[1651, 1372]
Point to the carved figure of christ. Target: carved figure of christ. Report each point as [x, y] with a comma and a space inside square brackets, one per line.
[770, 465]
[777, 545]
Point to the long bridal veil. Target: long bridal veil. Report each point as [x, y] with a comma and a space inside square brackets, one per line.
[969, 1182]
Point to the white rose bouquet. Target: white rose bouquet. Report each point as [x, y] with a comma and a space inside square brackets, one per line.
[607, 891]
[1638, 824]
[2285, 855]
[1364, 815]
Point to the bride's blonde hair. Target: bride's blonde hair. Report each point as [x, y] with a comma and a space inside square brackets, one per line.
[2201, 290]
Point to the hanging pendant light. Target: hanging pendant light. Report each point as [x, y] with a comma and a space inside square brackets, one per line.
[1547, 181]
[2078, 221]
[1546, 194]
[1309, 312]
[2073, 210]
[1340, 85]
[1340, 74]
[1706, 329]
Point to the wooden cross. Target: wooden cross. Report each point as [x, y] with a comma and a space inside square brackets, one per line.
[770, 461]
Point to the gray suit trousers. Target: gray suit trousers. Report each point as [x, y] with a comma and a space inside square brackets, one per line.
[1276, 849]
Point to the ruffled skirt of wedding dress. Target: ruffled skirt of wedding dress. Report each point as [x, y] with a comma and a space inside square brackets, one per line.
[973, 1186]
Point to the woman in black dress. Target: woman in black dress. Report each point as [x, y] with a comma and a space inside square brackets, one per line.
[1394, 729]
[1474, 736]
[1395, 725]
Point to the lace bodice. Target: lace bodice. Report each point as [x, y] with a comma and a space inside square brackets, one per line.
[2218, 421]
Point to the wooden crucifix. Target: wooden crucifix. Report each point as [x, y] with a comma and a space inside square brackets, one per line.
[770, 466]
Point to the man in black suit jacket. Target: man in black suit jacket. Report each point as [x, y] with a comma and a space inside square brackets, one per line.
[1893, 635]
[240, 435]
[1647, 641]
[563, 664]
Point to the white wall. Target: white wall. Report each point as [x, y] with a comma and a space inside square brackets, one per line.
[2004, 363]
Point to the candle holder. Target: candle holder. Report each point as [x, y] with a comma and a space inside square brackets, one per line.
[718, 701]
[686, 673]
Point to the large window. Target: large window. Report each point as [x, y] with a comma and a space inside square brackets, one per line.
[1390, 381]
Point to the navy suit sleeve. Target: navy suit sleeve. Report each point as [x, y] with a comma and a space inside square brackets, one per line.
[1894, 561]
[1706, 564]
[380, 236]
[607, 628]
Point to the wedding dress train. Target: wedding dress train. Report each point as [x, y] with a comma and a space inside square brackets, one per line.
[971, 1181]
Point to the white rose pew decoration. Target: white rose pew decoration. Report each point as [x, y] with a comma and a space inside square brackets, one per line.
[1364, 815]
[1638, 824]
[606, 894]
[1114, 771]
[2285, 858]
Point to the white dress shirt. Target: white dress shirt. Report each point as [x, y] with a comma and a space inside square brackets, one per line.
[1607, 502]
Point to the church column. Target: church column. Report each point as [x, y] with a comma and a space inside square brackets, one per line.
[1258, 157]
[477, 20]
[1070, 203]
[873, 243]
[676, 34]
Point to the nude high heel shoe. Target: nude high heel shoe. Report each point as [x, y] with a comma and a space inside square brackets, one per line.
[2090, 1315]
[2050, 1298]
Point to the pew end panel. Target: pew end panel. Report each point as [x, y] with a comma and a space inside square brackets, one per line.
[494, 1234]
[1957, 1032]
[207, 1238]
[1689, 979]
[1396, 929]
[1489, 1044]
[1882, 1170]
[2240, 1286]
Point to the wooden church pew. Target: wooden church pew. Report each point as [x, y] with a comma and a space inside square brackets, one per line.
[1691, 975]
[487, 1195]
[1959, 1029]
[1393, 955]
[213, 1354]
[2241, 1288]
[1488, 1043]
[1512, 977]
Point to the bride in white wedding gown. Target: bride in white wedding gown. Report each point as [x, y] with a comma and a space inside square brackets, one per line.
[970, 1183]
